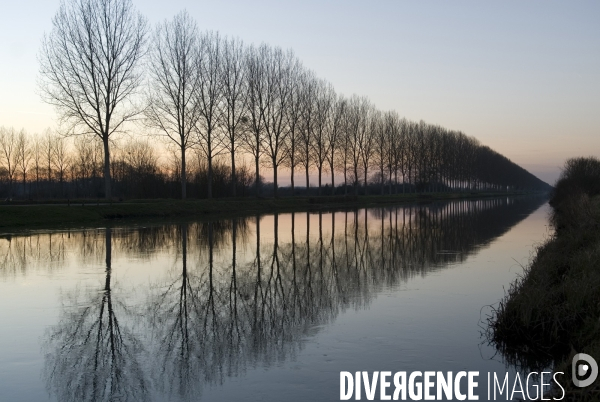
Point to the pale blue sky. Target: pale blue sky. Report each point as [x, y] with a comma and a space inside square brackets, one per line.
[521, 76]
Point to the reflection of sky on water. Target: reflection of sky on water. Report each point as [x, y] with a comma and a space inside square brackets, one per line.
[340, 296]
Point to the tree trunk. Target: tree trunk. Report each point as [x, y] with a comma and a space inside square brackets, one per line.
[107, 186]
[257, 179]
[275, 181]
[210, 174]
[345, 179]
[355, 180]
[320, 172]
[366, 178]
[233, 178]
[307, 182]
[183, 175]
[292, 177]
[332, 181]
[292, 165]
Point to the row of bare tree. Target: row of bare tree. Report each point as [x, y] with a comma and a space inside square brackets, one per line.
[212, 95]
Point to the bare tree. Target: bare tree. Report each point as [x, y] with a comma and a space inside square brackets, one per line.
[293, 119]
[83, 160]
[344, 142]
[381, 147]
[366, 137]
[393, 144]
[235, 100]
[36, 151]
[257, 98]
[410, 159]
[61, 160]
[278, 91]
[421, 155]
[49, 140]
[324, 98]
[140, 156]
[8, 153]
[86, 160]
[89, 67]
[209, 97]
[308, 82]
[334, 135]
[23, 157]
[416, 154]
[353, 123]
[173, 106]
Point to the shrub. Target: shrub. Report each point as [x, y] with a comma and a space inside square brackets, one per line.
[579, 176]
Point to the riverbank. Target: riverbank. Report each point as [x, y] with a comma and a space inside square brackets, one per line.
[552, 312]
[87, 213]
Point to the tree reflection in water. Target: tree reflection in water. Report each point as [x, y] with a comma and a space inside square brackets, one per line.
[244, 293]
[91, 357]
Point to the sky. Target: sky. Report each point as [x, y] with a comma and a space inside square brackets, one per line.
[523, 77]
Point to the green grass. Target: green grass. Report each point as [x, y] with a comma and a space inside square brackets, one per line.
[553, 310]
[37, 216]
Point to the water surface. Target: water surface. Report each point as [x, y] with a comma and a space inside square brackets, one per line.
[261, 308]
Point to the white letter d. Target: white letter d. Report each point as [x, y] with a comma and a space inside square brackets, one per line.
[346, 391]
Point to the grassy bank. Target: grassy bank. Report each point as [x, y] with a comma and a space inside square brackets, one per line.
[85, 213]
[553, 311]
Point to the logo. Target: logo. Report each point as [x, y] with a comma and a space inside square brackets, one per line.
[584, 369]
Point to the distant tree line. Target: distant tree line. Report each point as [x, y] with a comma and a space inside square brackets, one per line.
[52, 166]
[220, 104]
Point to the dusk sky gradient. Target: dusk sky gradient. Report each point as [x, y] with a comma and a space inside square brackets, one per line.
[521, 76]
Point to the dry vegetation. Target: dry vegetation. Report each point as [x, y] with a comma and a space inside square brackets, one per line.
[553, 311]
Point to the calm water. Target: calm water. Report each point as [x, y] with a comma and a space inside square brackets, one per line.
[269, 308]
